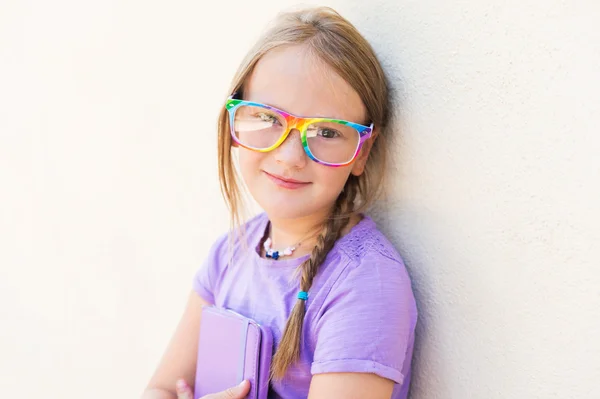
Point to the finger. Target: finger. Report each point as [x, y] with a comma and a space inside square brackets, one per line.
[237, 392]
[183, 390]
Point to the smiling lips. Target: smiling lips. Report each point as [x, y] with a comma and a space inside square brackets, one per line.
[285, 182]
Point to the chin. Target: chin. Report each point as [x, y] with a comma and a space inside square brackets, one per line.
[291, 204]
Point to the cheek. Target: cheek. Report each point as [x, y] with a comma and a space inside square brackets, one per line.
[249, 161]
[332, 180]
[248, 166]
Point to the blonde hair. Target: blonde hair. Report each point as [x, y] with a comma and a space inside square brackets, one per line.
[335, 41]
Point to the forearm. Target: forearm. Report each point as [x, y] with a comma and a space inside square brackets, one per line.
[157, 393]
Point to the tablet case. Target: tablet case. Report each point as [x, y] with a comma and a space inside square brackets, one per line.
[232, 348]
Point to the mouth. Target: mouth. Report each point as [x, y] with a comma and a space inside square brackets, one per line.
[286, 182]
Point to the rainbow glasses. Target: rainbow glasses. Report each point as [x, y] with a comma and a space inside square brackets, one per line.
[262, 128]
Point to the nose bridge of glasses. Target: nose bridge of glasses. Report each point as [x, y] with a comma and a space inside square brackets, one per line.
[296, 122]
[293, 123]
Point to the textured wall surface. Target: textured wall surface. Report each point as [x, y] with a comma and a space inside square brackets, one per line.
[109, 193]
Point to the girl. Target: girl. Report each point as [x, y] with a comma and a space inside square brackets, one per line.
[307, 114]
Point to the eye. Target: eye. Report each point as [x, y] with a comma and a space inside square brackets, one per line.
[328, 133]
[265, 117]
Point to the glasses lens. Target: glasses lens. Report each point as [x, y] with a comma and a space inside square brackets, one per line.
[258, 127]
[332, 142]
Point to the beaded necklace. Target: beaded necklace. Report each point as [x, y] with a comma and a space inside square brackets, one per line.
[276, 254]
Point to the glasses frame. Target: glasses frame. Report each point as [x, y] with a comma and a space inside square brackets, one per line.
[296, 122]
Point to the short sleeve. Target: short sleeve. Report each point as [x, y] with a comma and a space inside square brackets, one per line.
[208, 275]
[367, 321]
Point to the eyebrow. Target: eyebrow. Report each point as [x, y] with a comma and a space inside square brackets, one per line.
[323, 116]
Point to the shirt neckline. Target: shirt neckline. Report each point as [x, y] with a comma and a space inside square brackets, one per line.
[262, 224]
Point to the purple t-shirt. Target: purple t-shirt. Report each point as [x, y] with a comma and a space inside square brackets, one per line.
[360, 313]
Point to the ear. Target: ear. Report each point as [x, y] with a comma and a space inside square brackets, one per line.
[358, 167]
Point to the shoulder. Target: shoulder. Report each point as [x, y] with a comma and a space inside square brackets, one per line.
[367, 249]
[221, 254]
[365, 239]
[247, 236]
[374, 272]
[241, 236]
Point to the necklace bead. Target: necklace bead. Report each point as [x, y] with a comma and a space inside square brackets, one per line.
[270, 253]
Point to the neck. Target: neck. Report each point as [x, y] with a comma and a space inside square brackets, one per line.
[287, 232]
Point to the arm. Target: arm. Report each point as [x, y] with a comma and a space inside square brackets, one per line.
[350, 386]
[179, 359]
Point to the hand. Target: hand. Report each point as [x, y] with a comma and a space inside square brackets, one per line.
[237, 392]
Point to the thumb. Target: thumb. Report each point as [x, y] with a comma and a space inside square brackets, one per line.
[237, 392]
[183, 390]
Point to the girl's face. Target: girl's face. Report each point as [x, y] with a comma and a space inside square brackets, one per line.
[291, 79]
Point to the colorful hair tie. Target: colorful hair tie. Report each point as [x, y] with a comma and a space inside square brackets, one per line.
[303, 295]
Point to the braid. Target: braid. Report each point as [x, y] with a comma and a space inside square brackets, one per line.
[289, 348]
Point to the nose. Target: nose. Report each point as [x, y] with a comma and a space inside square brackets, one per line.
[291, 152]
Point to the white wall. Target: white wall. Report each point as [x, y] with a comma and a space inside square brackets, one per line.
[109, 195]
